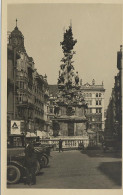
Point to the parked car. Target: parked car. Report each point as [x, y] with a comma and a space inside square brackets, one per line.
[16, 169]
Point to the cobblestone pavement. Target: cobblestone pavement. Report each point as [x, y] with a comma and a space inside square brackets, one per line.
[79, 170]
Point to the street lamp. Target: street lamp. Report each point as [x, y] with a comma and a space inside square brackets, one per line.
[14, 100]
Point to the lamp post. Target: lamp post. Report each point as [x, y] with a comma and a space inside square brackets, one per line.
[14, 98]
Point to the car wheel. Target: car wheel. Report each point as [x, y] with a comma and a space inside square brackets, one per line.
[44, 160]
[13, 174]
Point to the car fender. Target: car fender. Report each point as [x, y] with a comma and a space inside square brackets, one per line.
[19, 165]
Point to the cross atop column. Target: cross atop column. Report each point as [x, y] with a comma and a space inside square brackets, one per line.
[16, 22]
[71, 22]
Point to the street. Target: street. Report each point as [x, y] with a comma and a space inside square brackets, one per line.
[79, 170]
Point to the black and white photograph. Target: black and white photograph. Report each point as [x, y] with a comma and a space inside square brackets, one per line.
[64, 96]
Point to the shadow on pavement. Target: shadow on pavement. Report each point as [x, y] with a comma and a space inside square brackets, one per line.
[113, 170]
[100, 153]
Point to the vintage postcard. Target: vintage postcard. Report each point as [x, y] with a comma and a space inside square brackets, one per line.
[61, 97]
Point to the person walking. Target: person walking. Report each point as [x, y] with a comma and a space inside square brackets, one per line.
[60, 145]
[30, 164]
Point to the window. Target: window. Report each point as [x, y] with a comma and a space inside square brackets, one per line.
[18, 84]
[99, 102]
[100, 110]
[51, 110]
[96, 94]
[24, 85]
[89, 110]
[90, 126]
[90, 95]
[20, 97]
[100, 126]
[100, 94]
[21, 84]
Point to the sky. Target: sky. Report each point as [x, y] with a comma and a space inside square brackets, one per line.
[97, 28]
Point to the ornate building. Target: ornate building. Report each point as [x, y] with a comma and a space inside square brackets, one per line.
[27, 90]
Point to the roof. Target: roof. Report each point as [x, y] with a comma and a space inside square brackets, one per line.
[16, 32]
[87, 86]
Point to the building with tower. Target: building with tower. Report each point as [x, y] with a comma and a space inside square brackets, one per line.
[27, 90]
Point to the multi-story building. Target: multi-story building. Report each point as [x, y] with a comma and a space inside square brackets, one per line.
[113, 122]
[27, 90]
[94, 96]
[118, 94]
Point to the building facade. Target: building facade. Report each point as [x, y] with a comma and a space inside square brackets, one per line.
[27, 90]
[94, 96]
[113, 122]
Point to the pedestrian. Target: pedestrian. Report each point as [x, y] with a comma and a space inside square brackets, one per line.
[83, 147]
[60, 145]
[30, 164]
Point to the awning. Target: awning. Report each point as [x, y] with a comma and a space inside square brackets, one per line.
[30, 134]
[42, 134]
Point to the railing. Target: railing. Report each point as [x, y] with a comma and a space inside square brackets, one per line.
[71, 143]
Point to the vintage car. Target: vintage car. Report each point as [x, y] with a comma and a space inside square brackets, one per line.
[16, 169]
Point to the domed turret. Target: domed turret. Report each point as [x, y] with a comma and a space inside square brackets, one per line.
[16, 33]
[16, 39]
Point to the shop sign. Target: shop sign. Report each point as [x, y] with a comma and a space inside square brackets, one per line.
[15, 127]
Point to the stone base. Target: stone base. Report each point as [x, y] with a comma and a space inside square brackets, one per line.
[71, 129]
